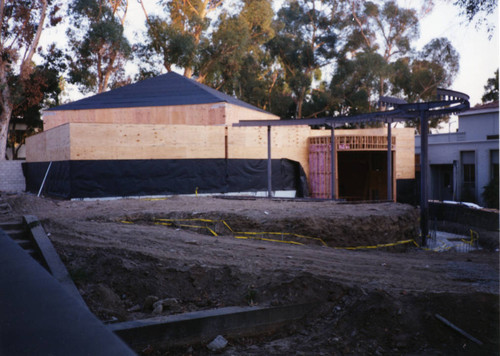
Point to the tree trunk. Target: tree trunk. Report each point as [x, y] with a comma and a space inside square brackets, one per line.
[300, 103]
[4, 127]
[188, 72]
[6, 104]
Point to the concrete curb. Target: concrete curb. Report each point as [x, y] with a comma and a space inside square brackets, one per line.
[51, 257]
[202, 326]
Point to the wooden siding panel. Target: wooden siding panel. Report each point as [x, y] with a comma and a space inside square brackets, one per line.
[51, 145]
[98, 141]
[203, 114]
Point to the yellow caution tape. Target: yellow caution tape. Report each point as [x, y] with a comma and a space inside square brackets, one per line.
[126, 222]
[474, 237]
[264, 239]
[229, 227]
[253, 235]
[212, 231]
[283, 234]
[202, 220]
[376, 246]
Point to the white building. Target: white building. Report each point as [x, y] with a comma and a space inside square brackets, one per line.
[462, 163]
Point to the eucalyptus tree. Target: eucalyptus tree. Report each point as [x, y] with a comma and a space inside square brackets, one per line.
[99, 49]
[305, 42]
[177, 35]
[417, 77]
[375, 34]
[234, 59]
[491, 89]
[21, 27]
[477, 11]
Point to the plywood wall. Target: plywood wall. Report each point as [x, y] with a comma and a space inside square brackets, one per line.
[112, 141]
[286, 142]
[235, 113]
[52, 145]
[202, 114]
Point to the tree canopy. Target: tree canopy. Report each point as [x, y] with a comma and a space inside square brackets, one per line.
[491, 89]
[21, 85]
[98, 47]
[308, 58]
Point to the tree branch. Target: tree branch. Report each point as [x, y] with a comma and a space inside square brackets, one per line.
[2, 6]
[25, 65]
[360, 24]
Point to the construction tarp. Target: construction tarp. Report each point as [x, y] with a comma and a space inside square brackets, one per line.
[122, 178]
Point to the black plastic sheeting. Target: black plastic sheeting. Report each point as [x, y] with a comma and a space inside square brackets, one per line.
[120, 178]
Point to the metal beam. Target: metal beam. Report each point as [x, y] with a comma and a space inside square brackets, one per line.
[332, 161]
[424, 160]
[269, 165]
[389, 161]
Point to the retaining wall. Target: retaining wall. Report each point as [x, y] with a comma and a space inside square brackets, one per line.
[11, 176]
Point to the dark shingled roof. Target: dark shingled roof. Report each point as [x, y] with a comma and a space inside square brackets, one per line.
[164, 90]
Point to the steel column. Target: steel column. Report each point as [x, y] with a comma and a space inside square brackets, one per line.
[389, 161]
[332, 161]
[269, 166]
[424, 165]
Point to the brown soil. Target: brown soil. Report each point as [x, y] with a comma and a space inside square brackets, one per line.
[375, 301]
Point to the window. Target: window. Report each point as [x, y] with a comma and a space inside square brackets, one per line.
[469, 173]
[468, 176]
[494, 165]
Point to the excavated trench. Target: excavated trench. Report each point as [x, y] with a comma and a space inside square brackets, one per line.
[328, 231]
[347, 319]
[367, 302]
[121, 285]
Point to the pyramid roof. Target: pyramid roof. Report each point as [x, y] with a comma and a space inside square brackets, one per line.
[164, 90]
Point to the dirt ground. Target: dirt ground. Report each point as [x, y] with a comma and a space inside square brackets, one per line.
[126, 254]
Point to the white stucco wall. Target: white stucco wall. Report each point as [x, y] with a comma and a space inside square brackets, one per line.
[445, 149]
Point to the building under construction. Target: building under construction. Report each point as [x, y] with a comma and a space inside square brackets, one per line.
[173, 135]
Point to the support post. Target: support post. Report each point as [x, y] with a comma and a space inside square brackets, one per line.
[424, 165]
[44, 179]
[389, 161]
[269, 166]
[332, 161]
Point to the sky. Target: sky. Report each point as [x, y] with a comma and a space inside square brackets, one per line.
[479, 55]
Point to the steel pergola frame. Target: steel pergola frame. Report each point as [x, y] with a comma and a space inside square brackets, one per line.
[395, 110]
